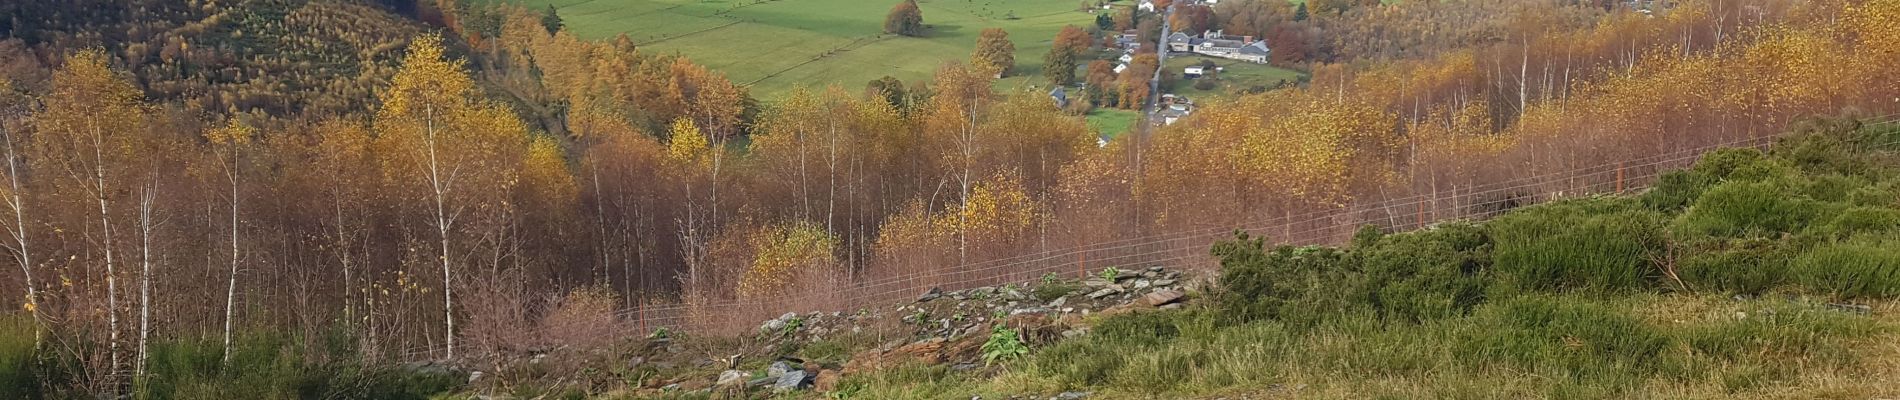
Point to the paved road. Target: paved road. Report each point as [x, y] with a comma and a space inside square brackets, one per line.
[1161, 61]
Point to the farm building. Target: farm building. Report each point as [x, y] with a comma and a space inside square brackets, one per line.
[1216, 44]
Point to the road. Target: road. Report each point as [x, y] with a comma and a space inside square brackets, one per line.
[1153, 107]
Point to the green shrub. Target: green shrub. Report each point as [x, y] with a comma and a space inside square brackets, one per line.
[1300, 285]
[1676, 190]
[1600, 244]
[19, 359]
[1050, 290]
[1858, 221]
[1736, 209]
[1423, 275]
[1747, 266]
[1004, 345]
[1860, 267]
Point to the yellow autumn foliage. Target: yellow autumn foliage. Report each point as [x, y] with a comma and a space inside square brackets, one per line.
[785, 252]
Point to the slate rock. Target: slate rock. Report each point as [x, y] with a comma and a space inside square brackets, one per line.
[1162, 297]
[779, 368]
[732, 377]
[793, 380]
[931, 294]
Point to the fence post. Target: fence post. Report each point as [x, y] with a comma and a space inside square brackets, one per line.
[1619, 177]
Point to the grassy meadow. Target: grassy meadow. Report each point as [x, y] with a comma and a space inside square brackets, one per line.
[1237, 76]
[772, 46]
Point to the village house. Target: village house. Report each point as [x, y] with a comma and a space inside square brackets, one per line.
[1216, 44]
[1147, 5]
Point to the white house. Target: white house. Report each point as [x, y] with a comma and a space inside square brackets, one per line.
[1147, 5]
[1120, 67]
[1127, 57]
[1193, 71]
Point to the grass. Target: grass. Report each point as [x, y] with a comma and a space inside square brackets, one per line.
[775, 45]
[1237, 76]
[262, 366]
[1110, 122]
[1531, 347]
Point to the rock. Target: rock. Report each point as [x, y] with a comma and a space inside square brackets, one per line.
[929, 295]
[1013, 294]
[732, 377]
[1072, 333]
[1125, 275]
[1162, 297]
[1862, 309]
[762, 381]
[1068, 309]
[779, 368]
[1164, 283]
[1096, 282]
[697, 384]
[635, 362]
[793, 380]
[1150, 274]
[474, 376]
[982, 291]
[1106, 291]
[1071, 396]
[1174, 306]
[778, 323]
[1143, 283]
[1058, 301]
[826, 381]
[1029, 311]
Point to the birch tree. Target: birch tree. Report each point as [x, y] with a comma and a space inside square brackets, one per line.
[86, 130]
[12, 104]
[458, 151]
[229, 141]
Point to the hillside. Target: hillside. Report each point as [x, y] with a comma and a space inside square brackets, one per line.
[1711, 285]
[367, 199]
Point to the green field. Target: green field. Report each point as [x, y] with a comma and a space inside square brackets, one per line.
[773, 45]
[1238, 76]
[1110, 122]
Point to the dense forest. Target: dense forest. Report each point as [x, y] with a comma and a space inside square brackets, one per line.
[444, 174]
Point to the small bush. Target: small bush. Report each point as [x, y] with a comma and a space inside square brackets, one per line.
[19, 359]
[1426, 275]
[1737, 209]
[1004, 345]
[1749, 266]
[1858, 221]
[1676, 190]
[1601, 244]
[1859, 267]
[1051, 290]
[1204, 84]
[1300, 285]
